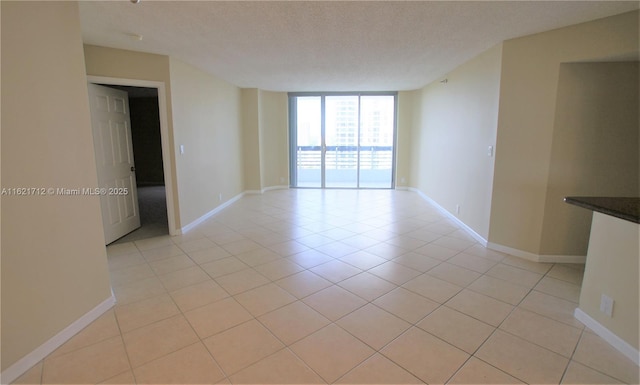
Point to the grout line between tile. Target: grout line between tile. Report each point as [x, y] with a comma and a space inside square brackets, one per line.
[236, 226]
[124, 346]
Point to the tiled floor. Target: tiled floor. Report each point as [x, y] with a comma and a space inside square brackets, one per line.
[312, 286]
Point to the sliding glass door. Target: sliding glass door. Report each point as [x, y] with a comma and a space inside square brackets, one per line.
[309, 154]
[342, 140]
[377, 128]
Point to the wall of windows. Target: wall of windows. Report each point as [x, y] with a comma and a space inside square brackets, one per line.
[342, 140]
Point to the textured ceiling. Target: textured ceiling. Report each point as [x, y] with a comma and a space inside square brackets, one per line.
[327, 45]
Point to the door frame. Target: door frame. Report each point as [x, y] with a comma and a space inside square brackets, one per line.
[293, 171]
[167, 164]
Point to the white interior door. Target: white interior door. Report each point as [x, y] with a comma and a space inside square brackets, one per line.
[111, 125]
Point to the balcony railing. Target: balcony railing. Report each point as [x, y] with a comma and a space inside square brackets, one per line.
[341, 166]
[345, 157]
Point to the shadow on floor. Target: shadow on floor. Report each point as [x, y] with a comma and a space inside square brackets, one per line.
[152, 201]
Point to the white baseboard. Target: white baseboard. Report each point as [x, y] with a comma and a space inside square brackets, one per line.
[562, 258]
[264, 190]
[37, 355]
[618, 343]
[446, 213]
[515, 252]
[546, 258]
[280, 187]
[497, 247]
[211, 213]
[227, 204]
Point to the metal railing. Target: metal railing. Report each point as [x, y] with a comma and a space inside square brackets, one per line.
[345, 157]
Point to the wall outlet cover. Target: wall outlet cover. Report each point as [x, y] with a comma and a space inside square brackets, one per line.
[606, 305]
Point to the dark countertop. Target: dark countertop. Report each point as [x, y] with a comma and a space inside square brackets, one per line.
[623, 208]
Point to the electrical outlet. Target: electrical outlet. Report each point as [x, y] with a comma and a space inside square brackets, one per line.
[403, 180]
[606, 305]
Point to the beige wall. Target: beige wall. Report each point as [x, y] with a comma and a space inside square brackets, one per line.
[251, 138]
[274, 139]
[117, 63]
[207, 122]
[453, 125]
[594, 149]
[528, 89]
[112, 62]
[411, 103]
[205, 117]
[404, 126]
[265, 122]
[54, 267]
[612, 269]
[47, 144]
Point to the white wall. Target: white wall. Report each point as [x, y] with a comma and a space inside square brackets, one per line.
[54, 265]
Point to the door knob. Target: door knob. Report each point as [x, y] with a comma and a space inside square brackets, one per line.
[133, 169]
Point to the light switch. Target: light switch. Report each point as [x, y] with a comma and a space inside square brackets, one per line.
[181, 149]
[490, 151]
[606, 305]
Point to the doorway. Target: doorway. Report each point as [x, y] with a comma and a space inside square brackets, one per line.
[152, 155]
[342, 140]
[147, 152]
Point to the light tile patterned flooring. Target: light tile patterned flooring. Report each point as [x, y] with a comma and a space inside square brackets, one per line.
[334, 286]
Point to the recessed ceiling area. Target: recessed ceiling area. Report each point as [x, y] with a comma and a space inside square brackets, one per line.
[328, 45]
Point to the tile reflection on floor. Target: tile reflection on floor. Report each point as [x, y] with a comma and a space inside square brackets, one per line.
[333, 286]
